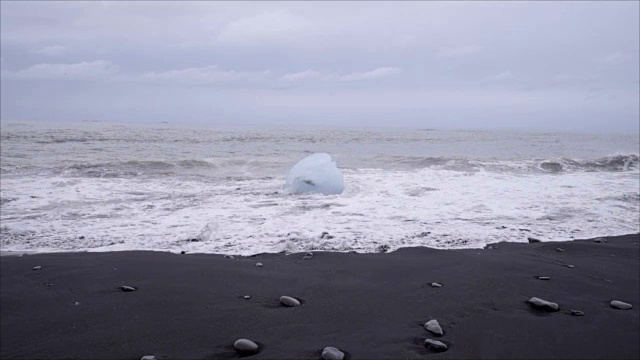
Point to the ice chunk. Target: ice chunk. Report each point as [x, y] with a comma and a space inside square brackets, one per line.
[316, 173]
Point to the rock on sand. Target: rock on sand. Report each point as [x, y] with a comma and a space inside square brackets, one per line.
[331, 353]
[289, 301]
[434, 327]
[543, 304]
[620, 305]
[245, 346]
[435, 345]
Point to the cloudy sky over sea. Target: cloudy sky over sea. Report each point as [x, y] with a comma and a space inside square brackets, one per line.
[555, 65]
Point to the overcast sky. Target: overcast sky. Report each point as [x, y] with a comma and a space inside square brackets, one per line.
[549, 65]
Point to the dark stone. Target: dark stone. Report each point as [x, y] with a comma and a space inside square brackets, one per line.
[543, 304]
[183, 252]
[435, 345]
[533, 240]
[620, 305]
[382, 248]
[245, 346]
[577, 313]
[81, 238]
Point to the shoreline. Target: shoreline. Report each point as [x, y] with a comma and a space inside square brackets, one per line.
[21, 253]
[370, 305]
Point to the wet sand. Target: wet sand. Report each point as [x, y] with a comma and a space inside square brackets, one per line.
[373, 306]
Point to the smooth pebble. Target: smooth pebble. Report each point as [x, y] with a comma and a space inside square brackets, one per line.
[577, 313]
[543, 278]
[259, 264]
[37, 267]
[620, 305]
[435, 344]
[570, 266]
[331, 353]
[148, 357]
[127, 288]
[289, 301]
[434, 327]
[247, 297]
[245, 345]
[435, 284]
[543, 304]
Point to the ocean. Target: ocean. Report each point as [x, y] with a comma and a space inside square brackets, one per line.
[93, 186]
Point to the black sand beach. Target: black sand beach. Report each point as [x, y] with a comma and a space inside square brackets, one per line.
[373, 306]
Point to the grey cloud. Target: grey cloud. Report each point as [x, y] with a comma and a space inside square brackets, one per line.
[413, 63]
[85, 70]
[51, 50]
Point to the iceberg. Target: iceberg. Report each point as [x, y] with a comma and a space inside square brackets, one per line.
[316, 173]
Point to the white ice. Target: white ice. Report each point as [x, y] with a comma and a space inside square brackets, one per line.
[316, 173]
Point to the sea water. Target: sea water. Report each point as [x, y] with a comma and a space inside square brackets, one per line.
[92, 186]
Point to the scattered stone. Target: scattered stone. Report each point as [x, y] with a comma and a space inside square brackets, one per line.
[228, 257]
[559, 249]
[306, 257]
[434, 327]
[289, 301]
[577, 313]
[148, 357]
[76, 303]
[543, 278]
[331, 353]
[435, 284]
[127, 288]
[308, 254]
[245, 346]
[48, 284]
[435, 345]
[543, 304]
[81, 238]
[324, 233]
[501, 227]
[183, 252]
[382, 248]
[259, 264]
[247, 297]
[620, 305]
[600, 240]
[37, 267]
[570, 266]
[490, 247]
[533, 240]
[194, 240]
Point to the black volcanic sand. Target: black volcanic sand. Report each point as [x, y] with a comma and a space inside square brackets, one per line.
[369, 305]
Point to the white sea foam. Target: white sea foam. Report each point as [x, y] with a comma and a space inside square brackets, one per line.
[423, 207]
